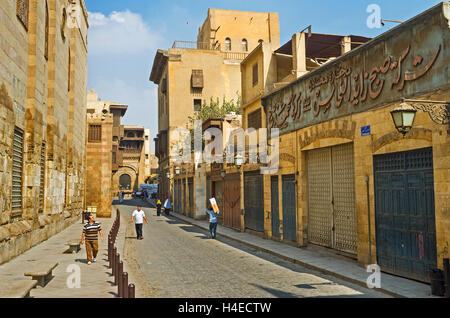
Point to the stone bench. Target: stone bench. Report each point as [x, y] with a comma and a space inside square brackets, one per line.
[74, 247]
[17, 288]
[42, 273]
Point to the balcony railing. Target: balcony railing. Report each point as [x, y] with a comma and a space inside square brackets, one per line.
[239, 56]
[192, 45]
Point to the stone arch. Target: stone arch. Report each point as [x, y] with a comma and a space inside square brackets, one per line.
[344, 129]
[125, 181]
[415, 133]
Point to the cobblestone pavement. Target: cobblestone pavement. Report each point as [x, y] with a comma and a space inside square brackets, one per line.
[179, 260]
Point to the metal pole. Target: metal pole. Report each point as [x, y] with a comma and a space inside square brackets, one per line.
[131, 291]
[368, 219]
[120, 280]
[113, 259]
[125, 285]
[116, 276]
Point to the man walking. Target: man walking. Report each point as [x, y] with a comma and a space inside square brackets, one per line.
[139, 216]
[212, 221]
[90, 232]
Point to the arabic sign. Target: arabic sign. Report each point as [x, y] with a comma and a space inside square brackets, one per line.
[405, 62]
[365, 131]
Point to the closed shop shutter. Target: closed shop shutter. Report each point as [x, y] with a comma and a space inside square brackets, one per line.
[331, 198]
[191, 196]
[405, 213]
[320, 218]
[344, 212]
[17, 170]
[232, 202]
[289, 209]
[254, 201]
[275, 206]
[183, 208]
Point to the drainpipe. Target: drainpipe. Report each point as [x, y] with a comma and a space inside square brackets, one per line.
[368, 217]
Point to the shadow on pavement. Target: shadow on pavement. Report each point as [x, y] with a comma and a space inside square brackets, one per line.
[276, 292]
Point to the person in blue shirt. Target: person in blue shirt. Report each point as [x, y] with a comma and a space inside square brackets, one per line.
[212, 221]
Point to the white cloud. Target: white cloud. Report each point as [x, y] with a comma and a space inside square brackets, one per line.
[121, 50]
[122, 32]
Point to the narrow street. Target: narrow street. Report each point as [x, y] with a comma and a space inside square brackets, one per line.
[179, 260]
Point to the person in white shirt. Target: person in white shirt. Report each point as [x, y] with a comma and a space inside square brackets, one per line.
[139, 216]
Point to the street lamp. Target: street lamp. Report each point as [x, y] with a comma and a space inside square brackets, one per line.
[177, 171]
[239, 161]
[168, 175]
[404, 115]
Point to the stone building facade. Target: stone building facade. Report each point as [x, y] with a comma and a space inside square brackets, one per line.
[43, 76]
[191, 73]
[103, 153]
[359, 187]
[132, 172]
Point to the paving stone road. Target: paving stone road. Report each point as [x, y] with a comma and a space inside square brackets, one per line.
[179, 260]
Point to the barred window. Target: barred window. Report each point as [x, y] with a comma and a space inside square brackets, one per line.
[95, 133]
[17, 170]
[22, 7]
[42, 180]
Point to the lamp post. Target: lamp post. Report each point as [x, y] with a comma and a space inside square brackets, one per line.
[177, 171]
[239, 161]
[404, 115]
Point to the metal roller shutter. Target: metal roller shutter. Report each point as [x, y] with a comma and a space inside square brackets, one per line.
[320, 213]
[254, 201]
[289, 209]
[405, 213]
[344, 212]
[331, 198]
[275, 207]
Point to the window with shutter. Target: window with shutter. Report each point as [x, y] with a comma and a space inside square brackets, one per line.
[17, 170]
[22, 7]
[197, 79]
[255, 120]
[95, 133]
[255, 74]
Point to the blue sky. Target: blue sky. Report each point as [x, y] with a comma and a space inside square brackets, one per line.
[124, 36]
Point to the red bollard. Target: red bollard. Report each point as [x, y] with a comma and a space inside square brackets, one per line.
[116, 272]
[131, 291]
[120, 280]
[125, 285]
